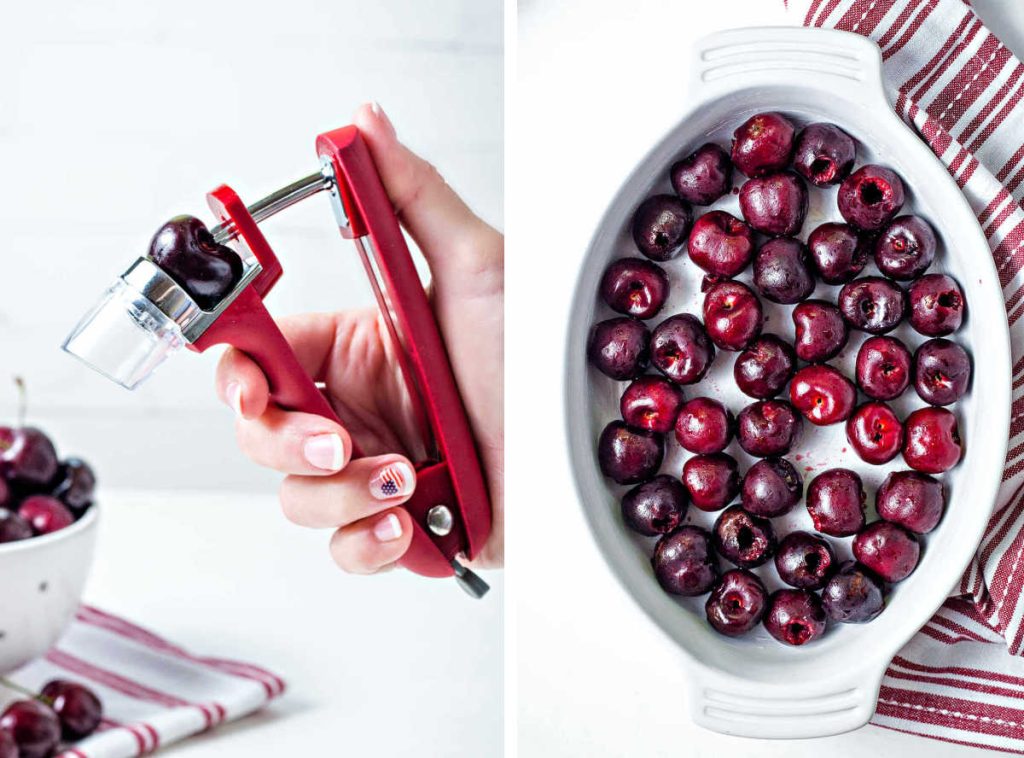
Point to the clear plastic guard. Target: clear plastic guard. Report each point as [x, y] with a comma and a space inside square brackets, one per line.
[124, 337]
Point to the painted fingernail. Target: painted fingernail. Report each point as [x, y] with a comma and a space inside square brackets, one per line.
[392, 480]
[234, 394]
[388, 529]
[325, 451]
[379, 113]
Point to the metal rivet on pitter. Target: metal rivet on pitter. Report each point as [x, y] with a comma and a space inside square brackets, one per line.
[440, 520]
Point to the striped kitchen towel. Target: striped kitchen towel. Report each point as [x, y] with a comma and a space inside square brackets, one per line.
[153, 692]
[961, 679]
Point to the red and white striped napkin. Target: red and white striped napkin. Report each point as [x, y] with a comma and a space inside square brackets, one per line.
[153, 692]
[961, 679]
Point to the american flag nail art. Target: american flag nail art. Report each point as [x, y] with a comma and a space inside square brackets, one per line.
[391, 481]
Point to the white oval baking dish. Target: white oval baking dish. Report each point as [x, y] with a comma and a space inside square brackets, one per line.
[754, 686]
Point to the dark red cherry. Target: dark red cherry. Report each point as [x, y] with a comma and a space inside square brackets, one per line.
[629, 455]
[883, 368]
[838, 252]
[76, 483]
[77, 707]
[732, 315]
[46, 514]
[743, 538]
[768, 428]
[905, 248]
[712, 481]
[872, 304]
[853, 595]
[824, 154]
[794, 617]
[942, 371]
[762, 369]
[737, 603]
[619, 347]
[888, 550]
[912, 500]
[655, 507]
[771, 487]
[703, 176]
[836, 501]
[34, 727]
[875, 432]
[30, 459]
[660, 226]
[651, 403]
[721, 244]
[185, 249]
[932, 443]
[822, 394]
[782, 271]
[13, 527]
[634, 286]
[936, 305]
[681, 350]
[763, 144]
[684, 562]
[704, 426]
[805, 561]
[821, 331]
[870, 197]
[775, 204]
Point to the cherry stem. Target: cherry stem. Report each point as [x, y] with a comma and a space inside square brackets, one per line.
[4, 681]
[22, 400]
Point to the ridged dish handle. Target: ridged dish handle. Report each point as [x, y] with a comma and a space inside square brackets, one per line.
[756, 709]
[840, 64]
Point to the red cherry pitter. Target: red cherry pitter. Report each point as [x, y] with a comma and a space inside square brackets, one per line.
[146, 315]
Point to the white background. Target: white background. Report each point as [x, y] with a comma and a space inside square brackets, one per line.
[596, 87]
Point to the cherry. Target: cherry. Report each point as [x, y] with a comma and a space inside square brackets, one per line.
[933, 442]
[619, 347]
[629, 455]
[838, 252]
[872, 304]
[743, 538]
[30, 459]
[870, 197]
[185, 249]
[794, 617]
[13, 527]
[853, 595]
[651, 403]
[704, 426]
[655, 507]
[34, 727]
[942, 371]
[822, 394]
[712, 480]
[732, 315]
[821, 331]
[76, 706]
[737, 603]
[804, 561]
[875, 432]
[824, 154]
[681, 350]
[775, 204]
[888, 550]
[684, 562]
[634, 286]
[660, 226]
[76, 483]
[721, 244]
[771, 487]
[762, 369]
[768, 428]
[835, 500]
[762, 144]
[703, 176]
[883, 368]
[46, 514]
[782, 271]
[912, 500]
[905, 248]
[936, 305]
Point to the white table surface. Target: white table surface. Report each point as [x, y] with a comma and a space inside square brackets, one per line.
[392, 665]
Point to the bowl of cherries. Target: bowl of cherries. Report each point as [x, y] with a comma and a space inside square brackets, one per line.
[790, 326]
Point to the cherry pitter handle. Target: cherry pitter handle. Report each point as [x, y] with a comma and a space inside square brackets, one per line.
[146, 316]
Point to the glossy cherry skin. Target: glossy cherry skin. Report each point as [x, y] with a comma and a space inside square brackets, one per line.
[775, 204]
[870, 197]
[887, 550]
[76, 706]
[30, 459]
[13, 527]
[660, 226]
[794, 617]
[76, 485]
[684, 562]
[824, 154]
[942, 371]
[8, 747]
[932, 443]
[768, 428]
[704, 426]
[763, 144]
[619, 347]
[635, 287]
[629, 455]
[737, 603]
[821, 331]
[651, 403]
[712, 481]
[912, 500]
[732, 315]
[681, 349]
[782, 271]
[771, 487]
[34, 727]
[836, 502]
[743, 538]
[655, 507]
[905, 248]
[805, 561]
[822, 395]
[721, 244]
[872, 304]
[185, 249]
[875, 432]
[703, 176]
[936, 305]
[762, 368]
[883, 368]
[838, 252]
[46, 514]
[853, 595]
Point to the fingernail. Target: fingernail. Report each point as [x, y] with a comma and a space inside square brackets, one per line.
[391, 480]
[388, 528]
[325, 451]
[379, 113]
[234, 393]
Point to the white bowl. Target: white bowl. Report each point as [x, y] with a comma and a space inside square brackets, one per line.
[41, 587]
[753, 685]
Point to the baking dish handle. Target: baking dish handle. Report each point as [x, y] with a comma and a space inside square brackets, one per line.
[839, 64]
[821, 707]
